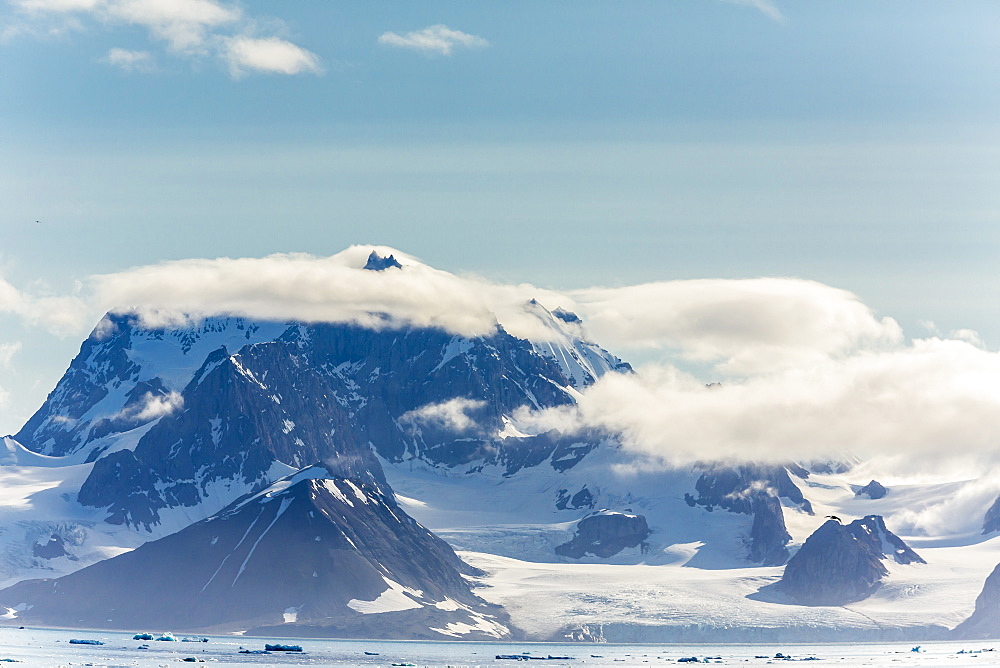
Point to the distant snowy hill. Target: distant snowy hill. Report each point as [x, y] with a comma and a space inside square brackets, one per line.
[156, 439]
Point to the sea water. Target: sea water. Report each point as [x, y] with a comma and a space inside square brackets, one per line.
[51, 647]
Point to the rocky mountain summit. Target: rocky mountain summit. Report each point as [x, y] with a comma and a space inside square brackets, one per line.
[840, 563]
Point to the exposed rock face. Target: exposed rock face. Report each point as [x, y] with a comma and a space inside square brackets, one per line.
[768, 535]
[52, 549]
[873, 490]
[223, 420]
[605, 534]
[310, 555]
[985, 619]
[991, 522]
[754, 489]
[117, 366]
[378, 263]
[230, 435]
[840, 564]
[581, 499]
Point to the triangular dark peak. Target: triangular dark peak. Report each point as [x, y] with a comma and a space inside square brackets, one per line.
[378, 263]
[874, 490]
[841, 564]
[314, 554]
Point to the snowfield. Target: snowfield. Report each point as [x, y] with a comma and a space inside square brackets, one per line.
[692, 582]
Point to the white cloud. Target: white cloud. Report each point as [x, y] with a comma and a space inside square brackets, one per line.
[7, 352]
[192, 28]
[451, 415]
[743, 325]
[765, 7]
[934, 400]
[60, 315]
[438, 39]
[269, 54]
[320, 289]
[154, 406]
[130, 61]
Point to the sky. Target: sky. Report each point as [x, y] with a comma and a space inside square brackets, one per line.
[851, 148]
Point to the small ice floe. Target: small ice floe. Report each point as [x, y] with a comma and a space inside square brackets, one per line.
[142, 636]
[283, 648]
[167, 637]
[84, 641]
[194, 639]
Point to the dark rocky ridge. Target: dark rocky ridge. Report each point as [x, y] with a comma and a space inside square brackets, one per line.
[984, 622]
[378, 263]
[841, 564]
[991, 522]
[232, 428]
[604, 534]
[754, 489]
[315, 547]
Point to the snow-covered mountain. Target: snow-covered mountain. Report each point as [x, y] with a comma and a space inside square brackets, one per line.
[157, 437]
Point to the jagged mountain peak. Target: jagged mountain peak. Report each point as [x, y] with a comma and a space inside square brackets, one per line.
[841, 563]
[378, 262]
[567, 343]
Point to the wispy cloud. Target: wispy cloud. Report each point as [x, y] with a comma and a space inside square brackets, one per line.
[130, 61]
[765, 7]
[742, 326]
[451, 415]
[154, 406]
[270, 54]
[189, 28]
[439, 39]
[929, 401]
[62, 315]
[7, 352]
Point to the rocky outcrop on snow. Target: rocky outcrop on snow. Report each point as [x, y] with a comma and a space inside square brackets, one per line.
[873, 490]
[991, 522]
[604, 534]
[985, 619]
[580, 499]
[768, 535]
[754, 489]
[840, 563]
[311, 555]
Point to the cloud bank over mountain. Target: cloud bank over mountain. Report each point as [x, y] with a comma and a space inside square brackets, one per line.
[805, 370]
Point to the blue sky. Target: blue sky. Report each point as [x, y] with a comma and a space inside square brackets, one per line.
[566, 144]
